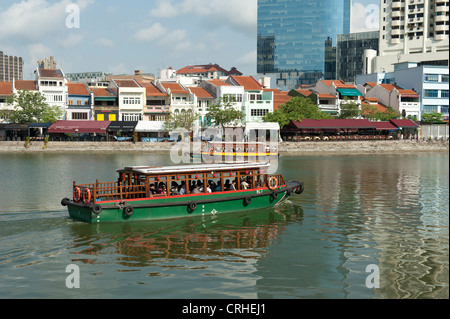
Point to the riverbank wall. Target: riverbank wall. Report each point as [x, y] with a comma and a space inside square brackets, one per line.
[285, 148]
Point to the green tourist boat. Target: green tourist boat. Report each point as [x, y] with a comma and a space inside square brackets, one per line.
[163, 192]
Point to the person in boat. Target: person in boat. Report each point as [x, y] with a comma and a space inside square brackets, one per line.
[227, 185]
[174, 189]
[195, 190]
[152, 189]
[233, 185]
[244, 184]
[182, 189]
[161, 189]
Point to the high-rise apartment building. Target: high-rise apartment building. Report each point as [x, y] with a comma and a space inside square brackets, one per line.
[11, 68]
[291, 37]
[413, 30]
[47, 63]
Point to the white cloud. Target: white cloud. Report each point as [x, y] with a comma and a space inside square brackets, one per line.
[164, 10]
[105, 42]
[364, 17]
[248, 58]
[240, 15]
[71, 41]
[149, 34]
[118, 69]
[35, 20]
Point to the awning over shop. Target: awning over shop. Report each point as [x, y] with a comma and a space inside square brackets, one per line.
[14, 127]
[404, 123]
[349, 92]
[122, 126]
[333, 124]
[41, 125]
[79, 127]
[385, 126]
[150, 126]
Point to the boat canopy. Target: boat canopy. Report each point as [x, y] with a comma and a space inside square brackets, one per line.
[193, 168]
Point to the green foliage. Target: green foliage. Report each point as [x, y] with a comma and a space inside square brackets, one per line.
[31, 107]
[184, 120]
[296, 109]
[349, 109]
[433, 117]
[370, 112]
[223, 113]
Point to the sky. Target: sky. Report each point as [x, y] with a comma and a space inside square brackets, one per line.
[120, 36]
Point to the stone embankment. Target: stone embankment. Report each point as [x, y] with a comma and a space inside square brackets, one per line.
[285, 148]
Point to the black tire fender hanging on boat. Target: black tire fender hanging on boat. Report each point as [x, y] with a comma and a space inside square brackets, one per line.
[192, 206]
[96, 209]
[274, 195]
[300, 189]
[247, 200]
[65, 201]
[128, 210]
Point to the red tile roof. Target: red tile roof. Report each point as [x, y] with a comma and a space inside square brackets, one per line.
[78, 89]
[326, 96]
[201, 93]
[304, 92]
[385, 126]
[126, 83]
[79, 127]
[339, 84]
[6, 88]
[152, 90]
[248, 82]
[204, 68]
[102, 92]
[218, 82]
[174, 87]
[25, 85]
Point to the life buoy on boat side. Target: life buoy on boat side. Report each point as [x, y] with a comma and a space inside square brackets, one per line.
[272, 183]
[76, 194]
[87, 195]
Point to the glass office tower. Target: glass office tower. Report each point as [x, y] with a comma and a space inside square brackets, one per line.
[292, 35]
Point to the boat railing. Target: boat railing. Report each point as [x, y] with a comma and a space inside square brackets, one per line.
[113, 191]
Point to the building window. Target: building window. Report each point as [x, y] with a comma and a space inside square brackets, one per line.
[445, 78]
[444, 94]
[258, 112]
[431, 93]
[430, 108]
[131, 117]
[444, 109]
[79, 116]
[431, 77]
[132, 100]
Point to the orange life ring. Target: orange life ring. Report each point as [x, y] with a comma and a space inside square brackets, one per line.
[86, 195]
[269, 184]
[211, 152]
[76, 194]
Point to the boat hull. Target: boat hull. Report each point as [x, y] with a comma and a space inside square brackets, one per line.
[179, 206]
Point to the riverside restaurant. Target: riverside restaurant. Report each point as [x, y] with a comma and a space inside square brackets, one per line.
[347, 129]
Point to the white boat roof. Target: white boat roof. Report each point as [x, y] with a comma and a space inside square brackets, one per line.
[192, 168]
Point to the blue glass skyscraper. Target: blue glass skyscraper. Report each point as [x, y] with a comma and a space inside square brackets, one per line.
[292, 35]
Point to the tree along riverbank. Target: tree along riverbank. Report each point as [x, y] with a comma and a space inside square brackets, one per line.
[285, 148]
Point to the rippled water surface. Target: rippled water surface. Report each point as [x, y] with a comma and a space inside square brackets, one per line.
[390, 211]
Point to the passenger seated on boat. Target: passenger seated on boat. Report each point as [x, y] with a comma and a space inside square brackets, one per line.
[244, 184]
[227, 185]
[233, 185]
[195, 190]
[152, 189]
[182, 189]
[174, 189]
[161, 189]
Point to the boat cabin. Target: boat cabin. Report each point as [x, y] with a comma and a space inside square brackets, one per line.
[137, 182]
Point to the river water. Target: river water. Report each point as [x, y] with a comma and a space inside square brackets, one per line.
[359, 216]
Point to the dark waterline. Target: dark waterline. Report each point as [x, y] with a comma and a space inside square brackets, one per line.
[386, 210]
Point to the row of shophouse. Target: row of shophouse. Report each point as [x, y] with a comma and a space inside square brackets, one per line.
[133, 100]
